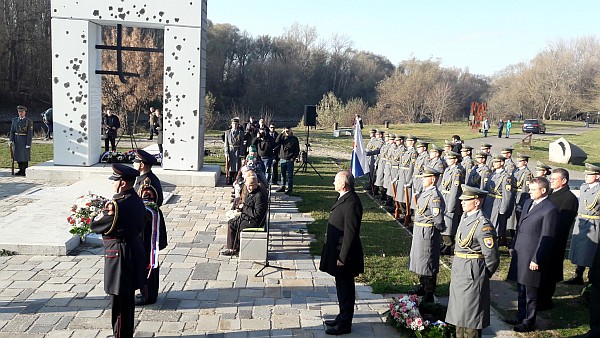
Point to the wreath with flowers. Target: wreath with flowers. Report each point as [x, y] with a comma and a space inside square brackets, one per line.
[405, 315]
[83, 212]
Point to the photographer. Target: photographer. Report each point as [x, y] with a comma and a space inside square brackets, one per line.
[111, 123]
[265, 144]
[288, 152]
[275, 164]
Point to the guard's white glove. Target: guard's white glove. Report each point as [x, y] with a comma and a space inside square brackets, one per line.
[27, 147]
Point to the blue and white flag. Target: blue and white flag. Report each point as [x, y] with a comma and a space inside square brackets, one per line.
[359, 164]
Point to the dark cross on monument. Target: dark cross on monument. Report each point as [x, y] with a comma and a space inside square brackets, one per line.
[119, 48]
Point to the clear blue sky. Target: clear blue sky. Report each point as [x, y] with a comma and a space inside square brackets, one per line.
[484, 36]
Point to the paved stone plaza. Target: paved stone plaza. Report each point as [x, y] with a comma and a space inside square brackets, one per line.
[202, 292]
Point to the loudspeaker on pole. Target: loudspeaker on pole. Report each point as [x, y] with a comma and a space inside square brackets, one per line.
[310, 116]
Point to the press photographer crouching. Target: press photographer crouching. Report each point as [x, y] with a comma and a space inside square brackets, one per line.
[252, 213]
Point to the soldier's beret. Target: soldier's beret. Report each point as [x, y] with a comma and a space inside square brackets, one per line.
[592, 169]
[411, 137]
[522, 157]
[485, 145]
[123, 172]
[542, 166]
[498, 158]
[481, 154]
[452, 154]
[421, 144]
[507, 150]
[235, 119]
[435, 148]
[142, 156]
[469, 193]
[373, 130]
[466, 148]
[21, 108]
[429, 171]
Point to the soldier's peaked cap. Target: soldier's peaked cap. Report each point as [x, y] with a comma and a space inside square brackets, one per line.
[522, 157]
[429, 171]
[481, 154]
[142, 156]
[452, 154]
[435, 148]
[373, 130]
[448, 143]
[485, 145]
[592, 169]
[507, 150]
[466, 148]
[542, 166]
[421, 144]
[498, 158]
[469, 193]
[235, 119]
[123, 172]
[21, 108]
[410, 137]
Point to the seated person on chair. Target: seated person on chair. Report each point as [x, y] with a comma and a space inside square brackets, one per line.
[252, 214]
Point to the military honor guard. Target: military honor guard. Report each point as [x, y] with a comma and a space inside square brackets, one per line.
[476, 177]
[522, 177]
[120, 224]
[234, 149]
[420, 162]
[424, 259]
[542, 169]
[20, 138]
[379, 176]
[467, 163]
[509, 164]
[447, 148]
[487, 148]
[450, 187]
[405, 174]
[530, 251]
[390, 163]
[154, 234]
[476, 259]
[373, 149]
[499, 202]
[435, 161]
[586, 231]
[343, 255]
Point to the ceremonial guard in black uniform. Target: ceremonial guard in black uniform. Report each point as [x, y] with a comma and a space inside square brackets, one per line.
[500, 200]
[20, 138]
[424, 258]
[479, 171]
[476, 258]
[120, 224]
[450, 188]
[111, 124]
[154, 234]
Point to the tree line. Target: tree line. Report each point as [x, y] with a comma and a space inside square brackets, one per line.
[275, 76]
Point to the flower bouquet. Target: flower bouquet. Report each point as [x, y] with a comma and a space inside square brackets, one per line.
[85, 209]
[404, 314]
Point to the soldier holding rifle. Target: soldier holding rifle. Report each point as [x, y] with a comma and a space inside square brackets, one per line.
[19, 140]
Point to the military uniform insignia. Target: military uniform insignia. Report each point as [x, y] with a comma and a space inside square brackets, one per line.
[527, 183]
[488, 242]
[508, 187]
[457, 183]
[435, 211]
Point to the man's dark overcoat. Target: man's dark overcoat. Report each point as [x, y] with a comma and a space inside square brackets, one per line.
[567, 204]
[21, 134]
[533, 242]
[343, 238]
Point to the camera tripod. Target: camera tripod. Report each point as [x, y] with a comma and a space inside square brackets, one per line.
[304, 156]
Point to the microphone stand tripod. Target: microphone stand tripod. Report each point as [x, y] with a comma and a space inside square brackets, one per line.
[304, 156]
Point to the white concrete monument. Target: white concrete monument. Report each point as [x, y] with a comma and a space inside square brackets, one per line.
[563, 151]
[76, 30]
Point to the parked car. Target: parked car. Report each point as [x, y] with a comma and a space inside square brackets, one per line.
[536, 126]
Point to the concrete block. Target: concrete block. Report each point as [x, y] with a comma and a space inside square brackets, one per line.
[253, 245]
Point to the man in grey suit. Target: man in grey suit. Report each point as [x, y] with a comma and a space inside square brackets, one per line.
[531, 251]
[342, 255]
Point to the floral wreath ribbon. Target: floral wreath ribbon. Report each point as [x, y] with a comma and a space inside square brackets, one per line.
[153, 209]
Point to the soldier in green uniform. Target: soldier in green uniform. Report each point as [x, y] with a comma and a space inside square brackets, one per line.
[476, 258]
[424, 258]
[466, 152]
[586, 231]
[479, 171]
[154, 234]
[509, 164]
[487, 148]
[20, 138]
[499, 203]
[542, 169]
[379, 177]
[450, 187]
[405, 174]
[120, 224]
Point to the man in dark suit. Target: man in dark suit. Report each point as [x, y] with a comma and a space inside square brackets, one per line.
[594, 275]
[567, 204]
[531, 251]
[111, 125]
[342, 255]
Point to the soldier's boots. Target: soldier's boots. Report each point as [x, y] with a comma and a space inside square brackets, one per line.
[375, 190]
[428, 298]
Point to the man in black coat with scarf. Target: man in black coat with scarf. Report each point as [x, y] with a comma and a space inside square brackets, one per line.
[567, 204]
[531, 251]
[342, 255]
